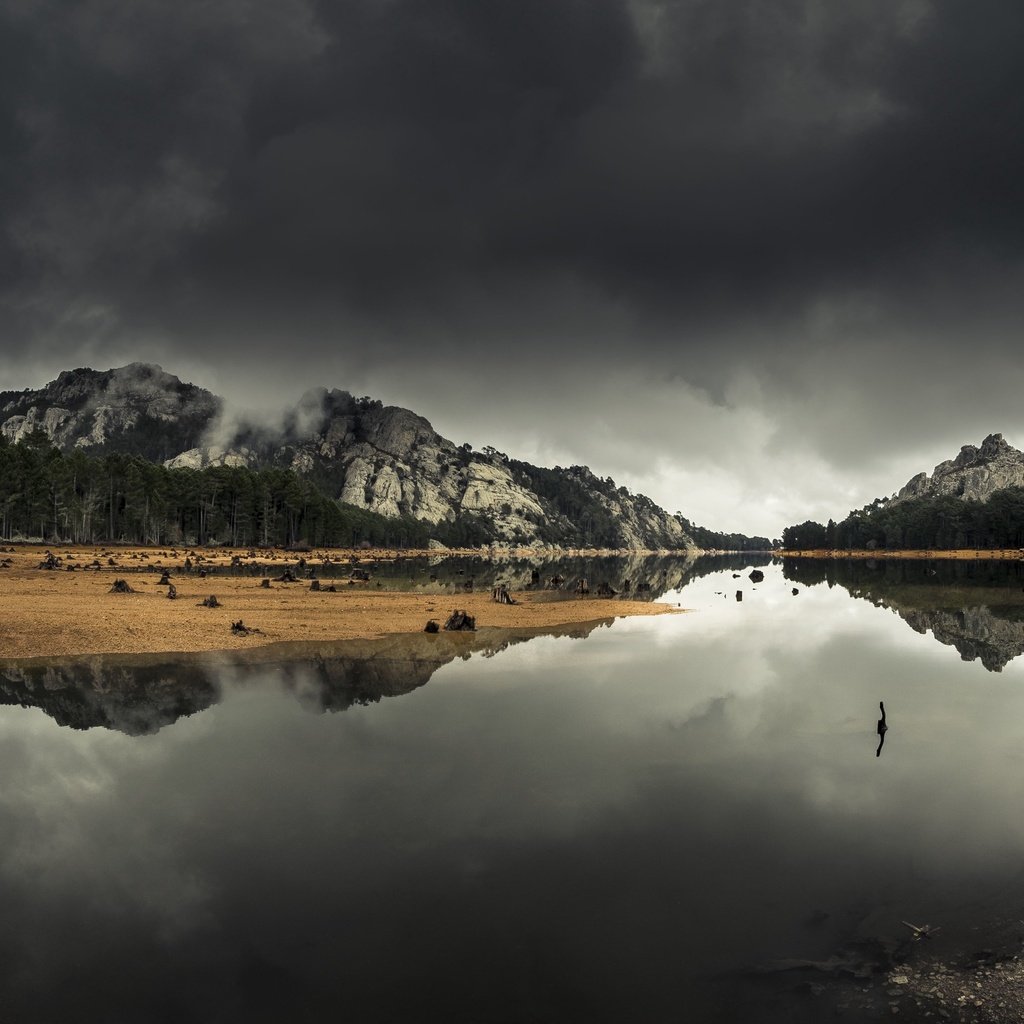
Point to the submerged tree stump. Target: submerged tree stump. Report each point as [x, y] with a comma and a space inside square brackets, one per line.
[500, 595]
[121, 587]
[460, 620]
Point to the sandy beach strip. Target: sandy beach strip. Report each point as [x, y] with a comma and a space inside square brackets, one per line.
[916, 554]
[60, 613]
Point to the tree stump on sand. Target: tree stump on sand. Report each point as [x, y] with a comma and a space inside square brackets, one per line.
[582, 587]
[431, 626]
[460, 620]
[121, 587]
[286, 577]
[164, 581]
[604, 589]
[239, 628]
[51, 561]
[172, 591]
[314, 584]
[359, 574]
[265, 583]
[210, 602]
[500, 595]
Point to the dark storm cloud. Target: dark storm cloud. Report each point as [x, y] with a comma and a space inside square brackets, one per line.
[800, 190]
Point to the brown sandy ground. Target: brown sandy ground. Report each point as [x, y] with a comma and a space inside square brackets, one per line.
[58, 613]
[959, 554]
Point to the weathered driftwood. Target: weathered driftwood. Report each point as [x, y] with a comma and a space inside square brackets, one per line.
[121, 587]
[209, 602]
[431, 626]
[500, 595]
[460, 620]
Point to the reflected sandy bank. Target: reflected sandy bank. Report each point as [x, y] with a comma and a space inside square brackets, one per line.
[139, 694]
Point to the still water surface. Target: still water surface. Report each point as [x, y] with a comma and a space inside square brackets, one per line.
[605, 828]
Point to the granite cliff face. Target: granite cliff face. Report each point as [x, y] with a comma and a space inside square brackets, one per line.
[381, 458]
[975, 474]
[136, 408]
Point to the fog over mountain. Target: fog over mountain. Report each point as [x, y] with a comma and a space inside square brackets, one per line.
[754, 261]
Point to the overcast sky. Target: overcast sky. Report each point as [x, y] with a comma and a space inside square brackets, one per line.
[760, 260]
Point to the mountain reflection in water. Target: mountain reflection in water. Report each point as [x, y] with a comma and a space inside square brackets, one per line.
[974, 606]
[140, 694]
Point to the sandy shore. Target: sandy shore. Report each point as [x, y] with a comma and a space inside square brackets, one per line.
[958, 554]
[62, 613]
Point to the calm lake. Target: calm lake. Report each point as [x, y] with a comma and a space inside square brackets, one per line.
[617, 825]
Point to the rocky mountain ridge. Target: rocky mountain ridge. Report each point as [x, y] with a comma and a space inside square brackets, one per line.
[382, 458]
[136, 408]
[975, 474]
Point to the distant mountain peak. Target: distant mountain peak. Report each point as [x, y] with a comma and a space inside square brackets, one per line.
[975, 474]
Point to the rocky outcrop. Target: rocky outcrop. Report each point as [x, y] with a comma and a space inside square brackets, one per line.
[136, 408]
[975, 474]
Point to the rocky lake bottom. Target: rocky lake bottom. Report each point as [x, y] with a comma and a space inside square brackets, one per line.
[648, 819]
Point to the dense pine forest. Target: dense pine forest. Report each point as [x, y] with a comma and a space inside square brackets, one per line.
[125, 498]
[943, 523]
